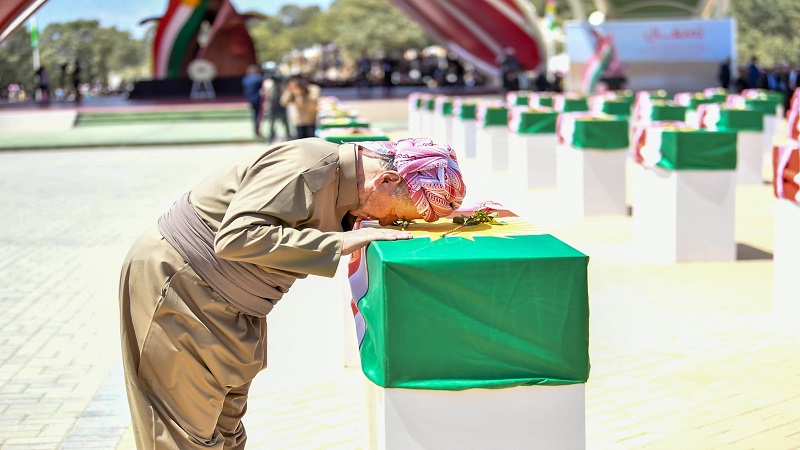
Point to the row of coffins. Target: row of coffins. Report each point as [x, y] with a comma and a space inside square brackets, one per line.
[438, 375]
[483, 342]
[540, 139]
[753, 115]
[338, 123]
[475, 360]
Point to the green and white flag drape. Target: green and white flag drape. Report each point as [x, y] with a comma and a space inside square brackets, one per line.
[604, 56]
[677, 146]
[175, 33]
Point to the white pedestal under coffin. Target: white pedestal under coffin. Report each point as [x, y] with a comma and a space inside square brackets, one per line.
[786, 260]
[527, 417]
[771, 129]
[749, 157]
[442, 129]
[426, 124]
[591, 182]
[464, 138]
[414, 122]
[491, 151]
[532, 160]
[683, 215]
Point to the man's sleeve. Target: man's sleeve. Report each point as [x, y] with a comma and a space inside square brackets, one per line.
[269, 223]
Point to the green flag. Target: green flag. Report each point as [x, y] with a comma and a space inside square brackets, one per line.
[34, 33]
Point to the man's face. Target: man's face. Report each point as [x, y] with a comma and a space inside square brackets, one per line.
[386, 203]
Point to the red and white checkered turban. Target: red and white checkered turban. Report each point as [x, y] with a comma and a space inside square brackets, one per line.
[431, 173]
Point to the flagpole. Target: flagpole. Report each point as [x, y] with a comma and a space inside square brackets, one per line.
[550, 43]
[37, 93]
[35, 43]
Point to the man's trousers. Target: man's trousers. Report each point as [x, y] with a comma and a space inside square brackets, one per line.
[189, 356]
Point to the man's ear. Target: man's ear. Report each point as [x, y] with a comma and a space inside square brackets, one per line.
[390, 177]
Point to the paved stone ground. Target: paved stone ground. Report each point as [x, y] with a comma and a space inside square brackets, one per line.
[683, 355]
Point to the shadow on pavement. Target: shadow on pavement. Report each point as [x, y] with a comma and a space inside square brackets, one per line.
[745, 252]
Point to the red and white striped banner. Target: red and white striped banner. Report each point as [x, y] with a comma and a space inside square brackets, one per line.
[646, 142]
[565, 125]
[359, 283]
[786, 171]
[708, 116]
[793, 117]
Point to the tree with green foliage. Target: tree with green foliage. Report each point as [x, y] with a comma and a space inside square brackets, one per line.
[315, 30]
[293, 16]
[99, 50]
[372, 26]
[356, 26]
[293, 27]
[767, 30]
[17, 60]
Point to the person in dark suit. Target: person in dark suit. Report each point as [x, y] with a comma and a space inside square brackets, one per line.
[724, 75]
[753, 74]
[271, 92]
[251, 87]
[510, 69]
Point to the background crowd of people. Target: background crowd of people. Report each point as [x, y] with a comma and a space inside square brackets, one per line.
[271, 95]
[782, 77]
[67, 88]
[383, 70]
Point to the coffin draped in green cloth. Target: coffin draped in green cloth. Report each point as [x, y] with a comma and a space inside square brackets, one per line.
[490, 313]
[625, 94]
[465, 111]
[445, 108]
[496, 116]
[342, 122]
[341, 139]
[537, 122]
[618, 107]
[658, 95]
[764, 104]
[772, 95]
[575, 105]
[336, 114]
[695, 101]
[601, 134]
[668, 112]
[698, 150]
[521, 99]
[430, 104]
[718, 98]
[740, 120]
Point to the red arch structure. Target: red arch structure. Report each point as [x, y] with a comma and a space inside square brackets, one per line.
[14, 13]
[480, 30]
[476, 30]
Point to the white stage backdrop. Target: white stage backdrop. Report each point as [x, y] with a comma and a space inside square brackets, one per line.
[676, 55]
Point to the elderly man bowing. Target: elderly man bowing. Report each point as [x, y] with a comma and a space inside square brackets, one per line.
[196, 288]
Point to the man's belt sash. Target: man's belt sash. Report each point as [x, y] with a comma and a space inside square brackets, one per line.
[245, 286]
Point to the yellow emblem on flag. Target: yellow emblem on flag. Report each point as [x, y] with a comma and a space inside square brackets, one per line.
[512, 226]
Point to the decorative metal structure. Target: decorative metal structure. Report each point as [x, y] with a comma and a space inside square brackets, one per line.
[227, 43]
[14, 13]
[480, 31]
